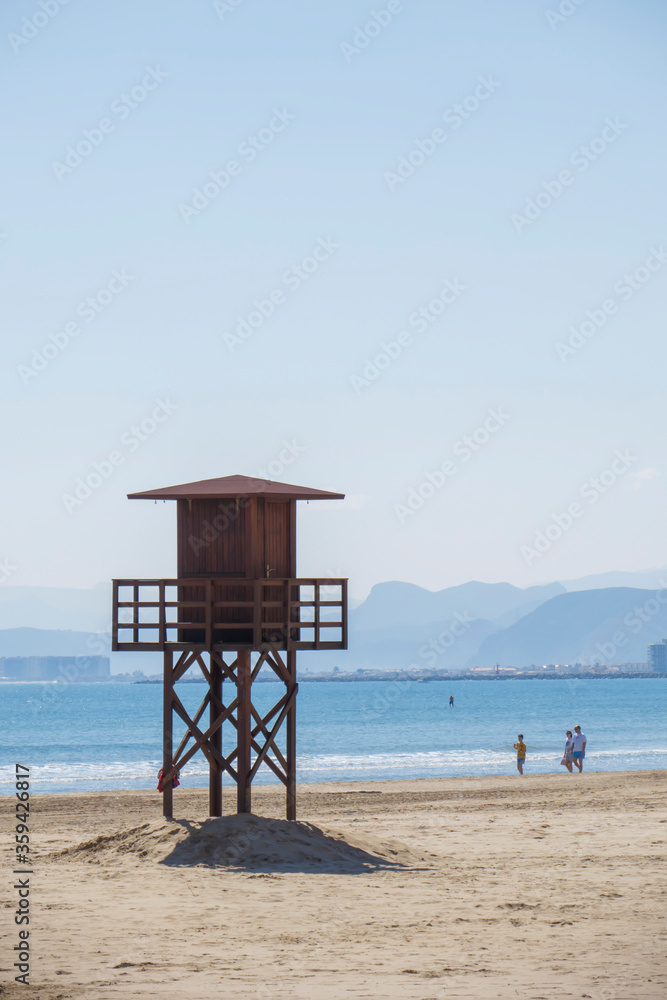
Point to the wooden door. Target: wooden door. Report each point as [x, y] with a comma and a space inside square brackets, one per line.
[212, 543]
[278, 564]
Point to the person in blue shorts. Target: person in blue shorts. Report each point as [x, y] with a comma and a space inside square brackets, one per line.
[578, 748]
[520, 748]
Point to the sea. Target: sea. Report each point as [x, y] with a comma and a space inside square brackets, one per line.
[93, 737]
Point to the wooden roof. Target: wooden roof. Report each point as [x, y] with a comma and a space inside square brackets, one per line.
[230, 487]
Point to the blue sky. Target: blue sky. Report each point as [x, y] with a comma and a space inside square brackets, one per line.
[583, 95]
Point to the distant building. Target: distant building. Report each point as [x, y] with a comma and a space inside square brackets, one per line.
[657, 657]
[633, 668]
[55, 668]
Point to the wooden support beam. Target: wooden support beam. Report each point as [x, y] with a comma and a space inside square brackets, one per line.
[290, 797]
[215, 771]
[183, 664]
[200, 739]
[200, 711]
[280, 670]
[227, 669]
[261, 660]
[114, 617]
[243, 737]
[271, 736]
[167, 740]
[135, 612]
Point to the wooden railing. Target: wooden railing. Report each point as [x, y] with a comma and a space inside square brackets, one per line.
[229, 613]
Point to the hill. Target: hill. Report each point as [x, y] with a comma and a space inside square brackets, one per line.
[390, 604]
[650, 579]
[52, 642]
[613, 625]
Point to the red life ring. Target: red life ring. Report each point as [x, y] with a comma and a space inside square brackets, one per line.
[174, 781]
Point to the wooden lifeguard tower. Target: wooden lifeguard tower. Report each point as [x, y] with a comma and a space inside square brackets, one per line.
[235, 606]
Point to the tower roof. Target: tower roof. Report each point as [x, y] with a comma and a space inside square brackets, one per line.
[230, 487]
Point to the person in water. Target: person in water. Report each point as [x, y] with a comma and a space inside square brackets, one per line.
[451, 701]
[520, 748]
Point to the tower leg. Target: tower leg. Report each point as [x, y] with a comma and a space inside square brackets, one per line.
[243, 721]
[291, 744]
[215, 771]
[167, 739]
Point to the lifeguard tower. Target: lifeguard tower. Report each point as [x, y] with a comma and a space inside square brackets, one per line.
[235, 606]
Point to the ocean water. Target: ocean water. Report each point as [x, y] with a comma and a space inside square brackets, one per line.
[88, 737]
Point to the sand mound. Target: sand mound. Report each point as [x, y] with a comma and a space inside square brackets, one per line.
[250, 843]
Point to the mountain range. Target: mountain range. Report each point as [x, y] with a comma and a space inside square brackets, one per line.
[399, 625]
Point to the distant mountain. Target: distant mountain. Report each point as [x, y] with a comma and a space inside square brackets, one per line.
[390, 604]
[614, 625]
[650, 579]
[51, 642]
[437, 645]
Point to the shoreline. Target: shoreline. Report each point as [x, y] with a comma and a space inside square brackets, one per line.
[272, 787]
[352, 679]
[375, 785]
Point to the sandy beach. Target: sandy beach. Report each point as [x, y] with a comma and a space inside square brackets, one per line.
[535, 887]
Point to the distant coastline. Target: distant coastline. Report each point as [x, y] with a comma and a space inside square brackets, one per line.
[357, 679]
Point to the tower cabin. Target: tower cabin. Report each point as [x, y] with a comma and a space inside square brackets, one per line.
[235, 606]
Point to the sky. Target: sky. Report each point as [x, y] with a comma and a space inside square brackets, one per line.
[411, 251]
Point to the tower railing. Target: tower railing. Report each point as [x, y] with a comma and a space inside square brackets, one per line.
[229, 613]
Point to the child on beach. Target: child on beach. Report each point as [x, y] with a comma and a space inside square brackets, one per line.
[520, 748]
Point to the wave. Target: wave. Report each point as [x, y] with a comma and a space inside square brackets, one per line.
[322, 767]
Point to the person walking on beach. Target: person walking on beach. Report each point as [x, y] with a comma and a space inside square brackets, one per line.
[520, 748]
[567, 752]
[578, 748]
[451, 701]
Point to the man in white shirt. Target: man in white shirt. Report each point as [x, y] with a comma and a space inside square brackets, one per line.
[578, 748]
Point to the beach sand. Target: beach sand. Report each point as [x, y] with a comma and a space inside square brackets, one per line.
[537, 887]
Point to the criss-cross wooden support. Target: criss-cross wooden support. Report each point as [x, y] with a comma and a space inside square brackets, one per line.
[255, 734]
